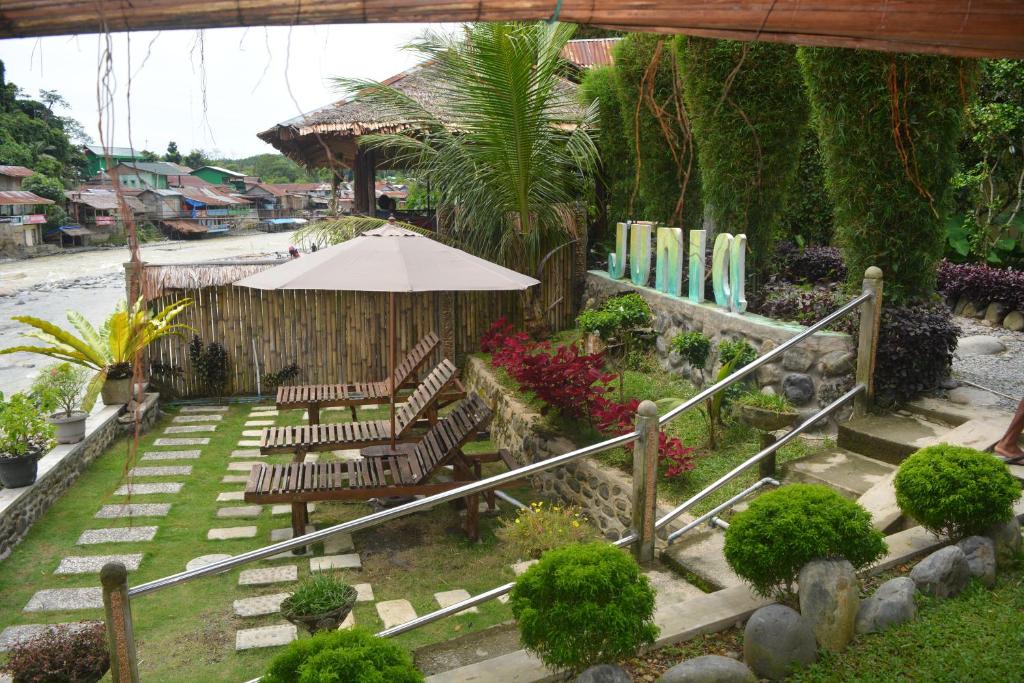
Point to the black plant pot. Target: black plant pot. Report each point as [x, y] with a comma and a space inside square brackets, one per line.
[19, 471]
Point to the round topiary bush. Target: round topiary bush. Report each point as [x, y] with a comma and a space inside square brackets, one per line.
[353, 656]
[768, 543]
[582, 605]
[956, 491]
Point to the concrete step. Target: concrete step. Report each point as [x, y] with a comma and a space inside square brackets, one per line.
[890, 438]
[701, 553]
[940, 410]
[849, 473]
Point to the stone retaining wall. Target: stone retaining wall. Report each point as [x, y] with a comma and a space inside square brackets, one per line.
[812, 374]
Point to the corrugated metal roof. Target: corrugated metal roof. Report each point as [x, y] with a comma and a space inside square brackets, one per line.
[16, 171]
[21, 198]
[104, 201]
[114, 151]
[157, 167]
[205, 195]
[221, 169]
[590, 52]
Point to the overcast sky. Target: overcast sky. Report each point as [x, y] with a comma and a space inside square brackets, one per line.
[247, 72]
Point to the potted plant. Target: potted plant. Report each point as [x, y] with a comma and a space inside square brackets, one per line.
[24, 437]
[766, 412]
[320, 603]
[59, 390]
[110, 350]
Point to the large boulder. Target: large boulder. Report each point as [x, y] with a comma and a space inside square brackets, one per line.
[798, 388]
[943, 574]
[1014, 321]
[776, 641]
[605, 673]
[981, 558]
[829, 599]
[892, 604]
[1007, 541]
[995, 313]
[709, 669]
[979, 345]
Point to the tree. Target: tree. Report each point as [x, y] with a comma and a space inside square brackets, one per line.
[149, 156]
[173, 155]
[196, 159]
[44, 186]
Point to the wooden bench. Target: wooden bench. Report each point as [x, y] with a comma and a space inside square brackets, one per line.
[313, 397]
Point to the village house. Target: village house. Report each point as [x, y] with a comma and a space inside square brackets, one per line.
[96, 157]
[98, 213]
[22, 213]
[216, 175]
[142, 175]
[196, 211]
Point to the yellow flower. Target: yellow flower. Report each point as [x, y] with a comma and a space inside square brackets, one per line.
[575, 524]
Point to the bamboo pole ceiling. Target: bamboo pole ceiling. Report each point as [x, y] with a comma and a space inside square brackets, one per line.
[970, 28]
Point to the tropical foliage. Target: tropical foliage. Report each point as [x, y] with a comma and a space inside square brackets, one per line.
[23, 429]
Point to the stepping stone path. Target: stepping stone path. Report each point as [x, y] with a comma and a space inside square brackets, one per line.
[93, 564]
[245, 511]
[263, 412]
[183, 419]
[448, 598]
[147, 489]
[133, 510]
[196, 441]
[204, 560]
[249, 443]
[520, 567]
[241, 466]
[286, 509]
[63, 599]
[348, 455]
[229, 496]
[268, 575]
[265, 636]
[328, 562]
[167, 471]
[260, 605]
[312, 458]
[189, 429]
[15, 635]
[260, 423]
[252, 432]
[128, 534]
[234, 479]
[364, 592]
[229, 533]
[203, 409]
[247, 453]
[286, 533]
[170, 455]
[395, 612]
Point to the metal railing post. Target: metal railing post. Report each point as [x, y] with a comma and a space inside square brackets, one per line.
[867, 341]
[645, 477]
[124, 665]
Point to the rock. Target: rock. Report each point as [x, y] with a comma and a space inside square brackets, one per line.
[709, 669]
[981, 558]
[969, 310]
[768, 374]
[943, 574]
[960, 305]
[969, 396]
[837, 363]
[1014, 321]
[995, 313]
[797, 359]
[891, 605]
[979, 345]
[605, 673]
[829, 599]
[949, 383]
[798, 389]
[776, 640]
[1006, 539]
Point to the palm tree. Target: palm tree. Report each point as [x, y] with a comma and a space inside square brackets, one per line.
[502, 137]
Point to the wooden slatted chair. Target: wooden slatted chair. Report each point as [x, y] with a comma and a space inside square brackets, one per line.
[421, 404]
[410, 470]
[313, 397]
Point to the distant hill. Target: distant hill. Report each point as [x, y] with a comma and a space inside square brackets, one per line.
[272, 168]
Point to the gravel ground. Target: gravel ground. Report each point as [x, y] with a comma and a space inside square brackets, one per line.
[1003, 372]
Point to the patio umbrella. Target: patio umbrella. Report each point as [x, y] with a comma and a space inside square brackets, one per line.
[390, 259]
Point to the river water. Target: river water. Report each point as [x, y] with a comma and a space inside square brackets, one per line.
[92, 283]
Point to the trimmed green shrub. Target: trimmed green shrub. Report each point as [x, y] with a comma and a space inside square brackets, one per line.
[694, 347]
[583, 605]
[616, 173]
[889, 125]
[768, 543]
[352, 656]
[749, 109]
[955, 490]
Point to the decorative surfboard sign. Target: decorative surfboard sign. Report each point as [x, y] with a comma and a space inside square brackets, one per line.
[728, 262]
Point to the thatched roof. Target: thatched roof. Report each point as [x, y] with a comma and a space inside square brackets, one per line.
[158, 279]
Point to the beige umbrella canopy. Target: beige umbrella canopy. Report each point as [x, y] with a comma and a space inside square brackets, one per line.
[390, 259]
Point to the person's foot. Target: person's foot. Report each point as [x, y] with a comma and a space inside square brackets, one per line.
[1012, 453]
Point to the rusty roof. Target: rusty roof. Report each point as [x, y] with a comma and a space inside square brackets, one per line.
[105, 200]
[187, 227]
[21, 198]
[16, 171]
[590, 52]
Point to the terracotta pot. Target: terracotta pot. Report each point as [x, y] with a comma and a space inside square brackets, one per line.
[766, 420]
[70, 428]
[117, 392]
[18, 471]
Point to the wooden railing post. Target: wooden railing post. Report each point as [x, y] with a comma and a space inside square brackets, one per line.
[867, 341]
[124, 666]
[645, 477]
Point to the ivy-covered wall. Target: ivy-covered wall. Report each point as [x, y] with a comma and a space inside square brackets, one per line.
[807, 217]
[748, 110]
[617, 171]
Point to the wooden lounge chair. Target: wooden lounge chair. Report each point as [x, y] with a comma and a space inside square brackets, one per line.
[422, 403]
[313, 397]
[408, 472]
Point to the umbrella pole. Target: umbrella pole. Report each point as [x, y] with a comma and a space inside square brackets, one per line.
[391, 362]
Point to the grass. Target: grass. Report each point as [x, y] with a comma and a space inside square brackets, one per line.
[187, 633]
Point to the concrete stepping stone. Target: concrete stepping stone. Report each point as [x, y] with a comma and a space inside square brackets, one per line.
[126, 534]
[165, 471]
[267, 575]
[328, 562]
[286, 509]
[247, 453]
[311, 458]
[229, 496]
[209, 417]
[265, 636]
[286, 533]
[348, 455]
[348, 622]
[252, 432]
[394, 612]
[338, 544]
[259, 423]
[364, 592]
[15, 635]
[170, 455]
[94, 563]
[448, 598]
[63, 599]
[503, 599]
[234, 479]
[133, 510]
[520, 567]
[196, 441]
[189, 429]
[203, 409]
[148, 489]
[249, 443]
[231, 532]
[243, 511]
[241, 466]
[259, 606]
[204, 560]
[263, 412]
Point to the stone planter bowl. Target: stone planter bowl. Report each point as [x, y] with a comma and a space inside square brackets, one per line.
[328, 621]
[18, 471]
[766, 420]
[70, 428]
[117, 392]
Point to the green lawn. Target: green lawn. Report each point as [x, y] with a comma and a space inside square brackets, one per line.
[187, 633]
